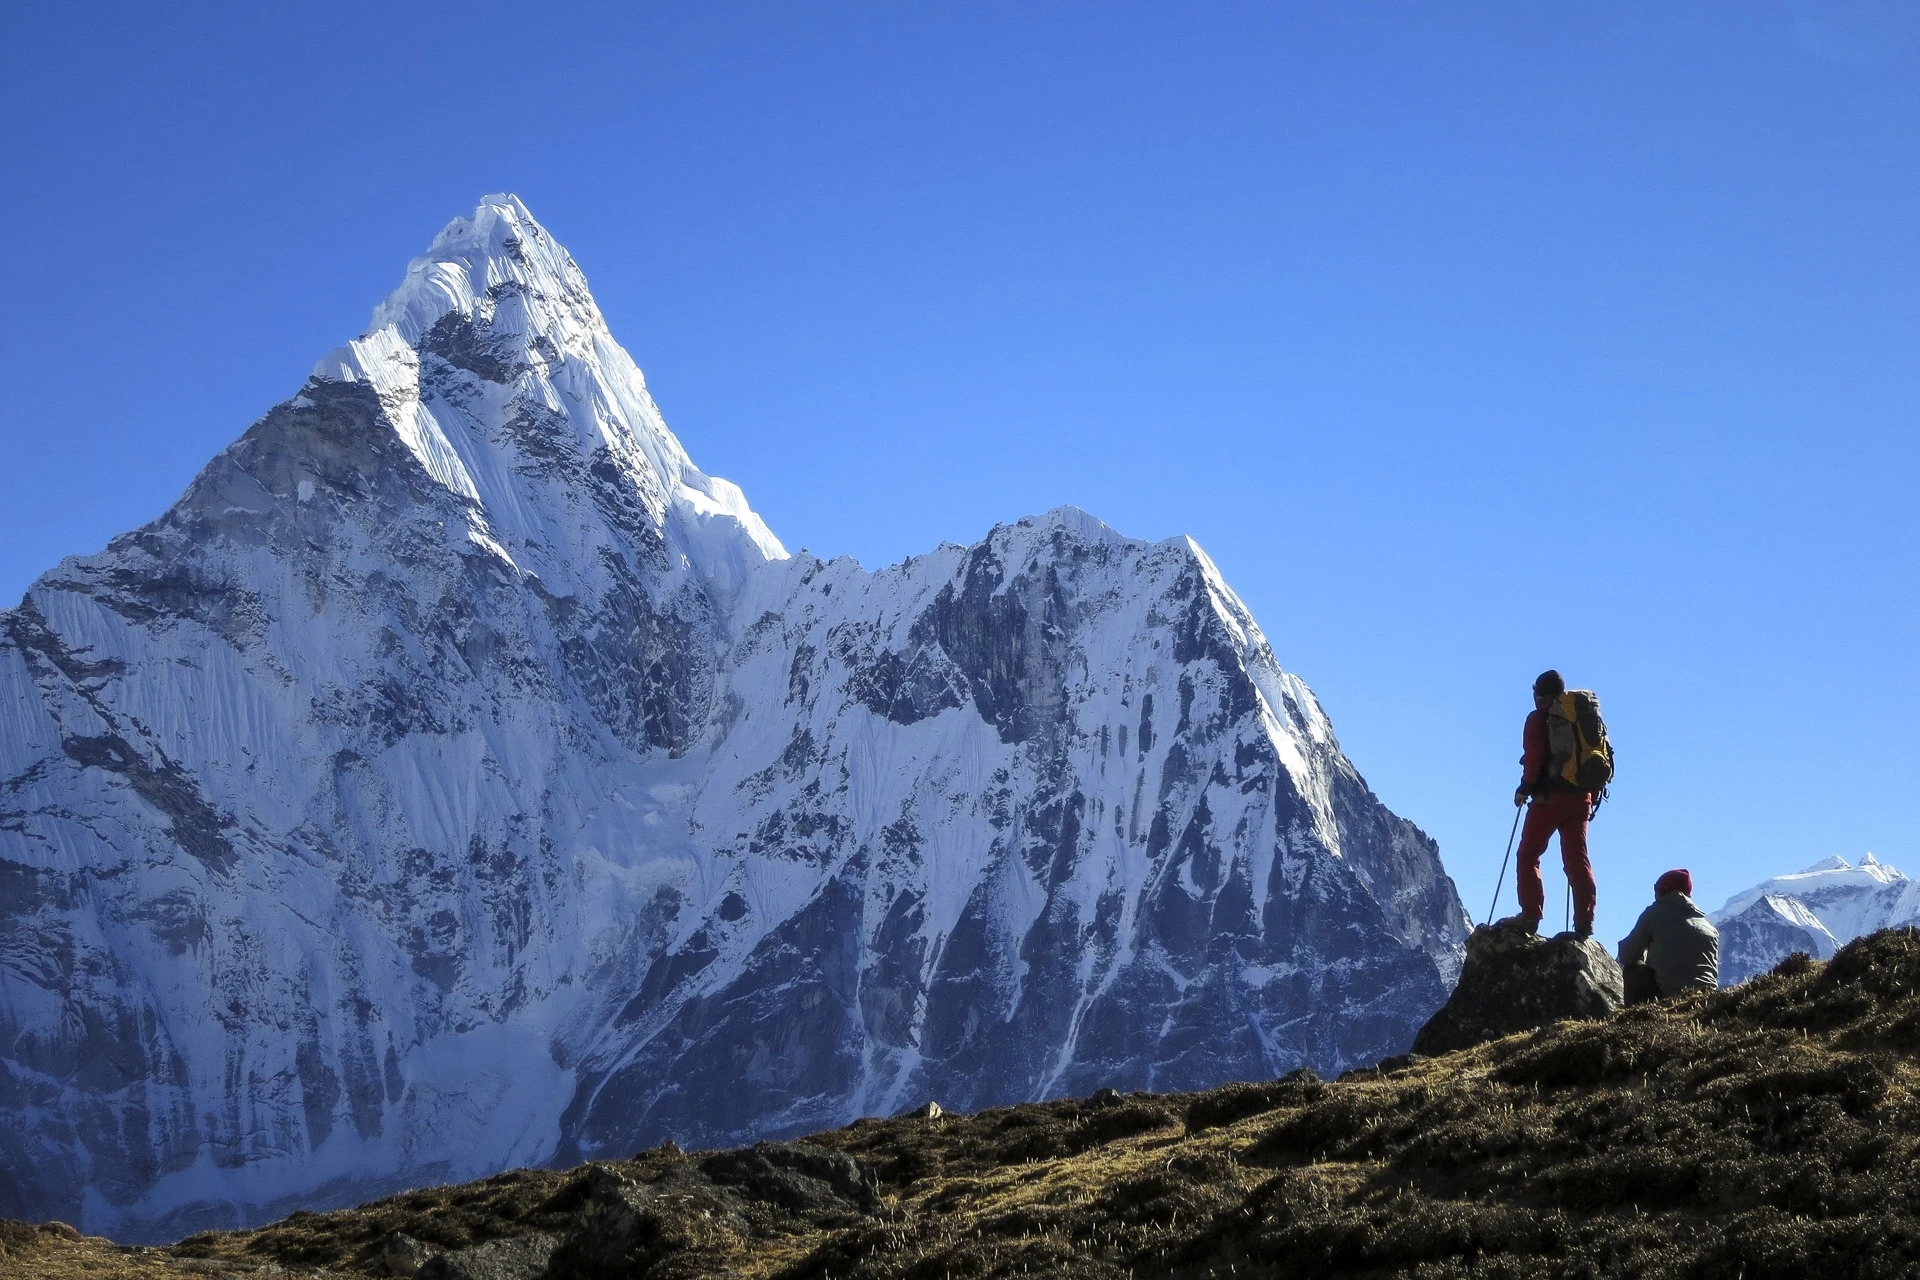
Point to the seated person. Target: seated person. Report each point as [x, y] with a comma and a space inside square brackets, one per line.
[1672, 949]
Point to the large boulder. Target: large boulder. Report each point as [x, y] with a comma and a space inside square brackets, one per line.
[516, 1258]
[1514, 980]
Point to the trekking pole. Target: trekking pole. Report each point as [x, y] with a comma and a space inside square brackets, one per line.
[1566, 921]
[1517, 809]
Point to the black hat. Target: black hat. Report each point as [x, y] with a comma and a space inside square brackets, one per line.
[1548, 684]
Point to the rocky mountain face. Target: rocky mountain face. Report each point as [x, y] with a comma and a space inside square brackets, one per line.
[1816, 911]
[457, 778]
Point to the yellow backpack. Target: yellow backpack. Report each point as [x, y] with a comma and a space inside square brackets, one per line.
[1577, 747]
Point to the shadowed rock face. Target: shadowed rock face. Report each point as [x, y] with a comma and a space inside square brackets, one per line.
[1515, 981]
[456, 778]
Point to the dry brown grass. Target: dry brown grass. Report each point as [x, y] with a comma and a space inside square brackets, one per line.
[1771, 1130]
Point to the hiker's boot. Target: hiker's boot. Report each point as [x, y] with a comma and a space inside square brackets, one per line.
[1583, 929]
[1522, 923]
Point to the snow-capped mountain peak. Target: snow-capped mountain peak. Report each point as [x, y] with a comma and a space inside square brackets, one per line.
[498, 373]
[456, 776]
[1816, 910]
[1831, 879]
[501, 268]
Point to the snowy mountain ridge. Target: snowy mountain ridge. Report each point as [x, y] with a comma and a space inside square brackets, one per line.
[1817, 910]
[456, 777]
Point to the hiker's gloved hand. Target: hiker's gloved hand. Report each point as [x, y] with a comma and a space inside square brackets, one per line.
[1519, 796]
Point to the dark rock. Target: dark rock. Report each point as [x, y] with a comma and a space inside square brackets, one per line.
[520, 1258]
[798, 1177]
[614, 1224]
[623, 1228]
[1515, 981]
[668, 1148]
[456, 339]
[402, 1255]
[1108, 1097]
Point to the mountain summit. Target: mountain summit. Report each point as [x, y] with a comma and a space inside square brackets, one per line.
[1817, 911]
[456, 777]
[494, 328]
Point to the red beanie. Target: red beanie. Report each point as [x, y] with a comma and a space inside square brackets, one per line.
[1677, 881]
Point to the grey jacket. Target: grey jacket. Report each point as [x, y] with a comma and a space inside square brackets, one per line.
[1674, 939]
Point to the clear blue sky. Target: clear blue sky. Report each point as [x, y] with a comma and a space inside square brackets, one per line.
[1468, 338]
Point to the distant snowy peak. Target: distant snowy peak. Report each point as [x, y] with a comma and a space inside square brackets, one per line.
[1823, 877]
[1817, 911]
[1832, 882]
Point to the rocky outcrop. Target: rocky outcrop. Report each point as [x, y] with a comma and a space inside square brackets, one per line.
[457, 777]
[623, 1227]
[519, 1258]
[1514, 980]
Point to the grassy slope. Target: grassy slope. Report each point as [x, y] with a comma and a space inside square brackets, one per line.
[1767, 1130]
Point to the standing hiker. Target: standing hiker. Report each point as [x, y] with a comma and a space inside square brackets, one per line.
[1672, 949]
[1565, 767]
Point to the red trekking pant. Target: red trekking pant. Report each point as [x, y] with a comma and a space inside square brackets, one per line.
[1565, 812]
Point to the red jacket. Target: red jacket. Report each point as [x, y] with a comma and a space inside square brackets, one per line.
[1535, 759]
